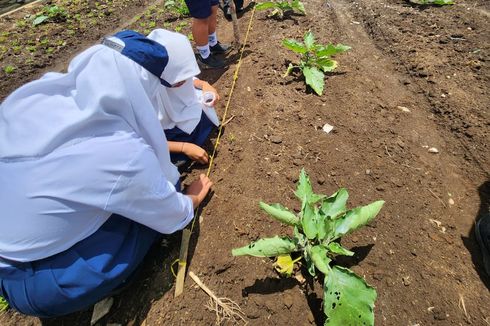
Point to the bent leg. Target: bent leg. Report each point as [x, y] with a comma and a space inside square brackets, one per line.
[80, 276]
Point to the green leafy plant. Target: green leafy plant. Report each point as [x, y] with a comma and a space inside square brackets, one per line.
[281, 7]
[433, 2]
[322, 221]
[50, 13]
[315, 59]
[9, 69]
[177, 6]
[3, 304]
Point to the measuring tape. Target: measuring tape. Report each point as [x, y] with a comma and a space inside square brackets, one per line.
[182, 260]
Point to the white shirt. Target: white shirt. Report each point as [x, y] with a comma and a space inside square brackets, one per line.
[43, 213]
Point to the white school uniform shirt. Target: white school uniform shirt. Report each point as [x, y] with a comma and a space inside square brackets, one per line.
[78, 147]
[181, 106]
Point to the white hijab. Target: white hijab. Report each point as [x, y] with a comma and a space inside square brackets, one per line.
[60, 110]
[179, 106]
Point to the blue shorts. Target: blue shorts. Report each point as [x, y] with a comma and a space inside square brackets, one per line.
[197, 137]
[200, 8]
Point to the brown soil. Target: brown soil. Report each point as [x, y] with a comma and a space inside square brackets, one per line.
[420, 252]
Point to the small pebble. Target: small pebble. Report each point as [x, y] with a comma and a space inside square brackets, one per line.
[276, 139]
[403, 108]
[433, 150]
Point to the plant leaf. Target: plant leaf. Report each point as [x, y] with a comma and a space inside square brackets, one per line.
[314, 78]
[309, 40]
[330, 49]
[326, 64]
[280, 213]
[267, 247]
[298, 5]
[356, 218]
[323, 228]
[4, 305]
[347, 299]
[335, 204]
[265, 5]
[304, 190]
[39, 20]
[320, 259]
[309, 221]
[284, 265]
[336, 248]
[310, 266]
[294, 45]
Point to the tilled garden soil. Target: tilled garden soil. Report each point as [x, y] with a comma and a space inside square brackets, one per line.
[420, 252]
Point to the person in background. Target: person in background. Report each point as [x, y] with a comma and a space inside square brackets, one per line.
[204, 20]
[86, 181]
[184, 115]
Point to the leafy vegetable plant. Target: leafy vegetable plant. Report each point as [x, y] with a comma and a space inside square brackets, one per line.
[433, 2]
[3, 304]
[315, 59]
[348, 299]
[50, 13]
[9, 69]
[280, 7]
[177, 6]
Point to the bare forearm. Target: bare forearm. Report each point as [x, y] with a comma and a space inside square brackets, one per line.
[175, 146]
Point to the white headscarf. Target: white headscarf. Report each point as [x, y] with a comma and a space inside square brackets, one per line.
[179, 106]
[62, 109]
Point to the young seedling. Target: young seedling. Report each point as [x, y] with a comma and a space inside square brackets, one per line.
[315, 59]
[50, 13]
[9, 69]
[281, 7]
[3, 304]
[177, 6]
[322, 221]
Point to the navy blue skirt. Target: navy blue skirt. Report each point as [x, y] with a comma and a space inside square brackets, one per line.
[81, 276]
[197, 137]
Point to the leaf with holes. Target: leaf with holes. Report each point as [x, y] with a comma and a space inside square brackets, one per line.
[347, 299]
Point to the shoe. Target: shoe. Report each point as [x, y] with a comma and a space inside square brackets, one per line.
[220, 48]
[211, 62]
[482, 230]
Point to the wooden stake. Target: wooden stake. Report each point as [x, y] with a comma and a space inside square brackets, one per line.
[184, 249]
[234, 19]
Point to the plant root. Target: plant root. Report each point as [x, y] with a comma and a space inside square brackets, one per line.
[225, 309]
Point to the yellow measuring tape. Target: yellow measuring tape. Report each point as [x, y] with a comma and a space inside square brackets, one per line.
[182, 264]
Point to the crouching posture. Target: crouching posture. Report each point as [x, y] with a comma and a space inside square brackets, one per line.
[185, 115]
[86, 181]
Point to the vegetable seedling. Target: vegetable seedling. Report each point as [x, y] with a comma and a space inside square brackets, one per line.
[50, 13]
[281, 7]
[3, 304]
[177, 6]
[315, 59]
[9, 69]
[322, 221]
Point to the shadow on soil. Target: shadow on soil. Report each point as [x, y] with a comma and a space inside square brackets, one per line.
[470, 241]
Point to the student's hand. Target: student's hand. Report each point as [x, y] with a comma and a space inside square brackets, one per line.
[195, 153]
[199, 189]
[206, 87]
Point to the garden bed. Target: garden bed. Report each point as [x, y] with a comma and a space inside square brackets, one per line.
[419, 253]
